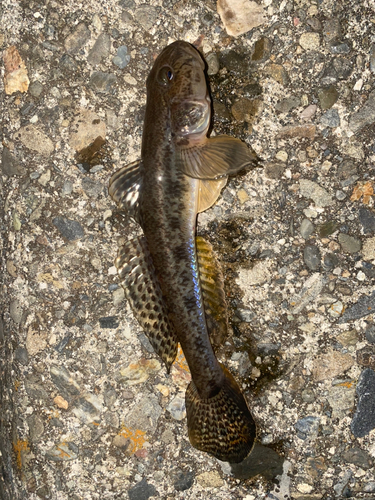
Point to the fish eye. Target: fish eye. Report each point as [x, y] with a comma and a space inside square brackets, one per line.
[165, 75]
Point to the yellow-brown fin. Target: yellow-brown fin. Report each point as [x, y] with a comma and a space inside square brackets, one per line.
[222, 425]
[215, 157]
[212, 284]
[209, 191]
[143, 292]
[124, 188]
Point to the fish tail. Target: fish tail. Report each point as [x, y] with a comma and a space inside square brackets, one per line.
[221, 425]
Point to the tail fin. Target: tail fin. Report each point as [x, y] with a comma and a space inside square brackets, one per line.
[221, 425]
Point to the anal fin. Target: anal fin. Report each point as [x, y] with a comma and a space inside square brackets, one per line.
[212, 283]
[143, 292]
[124, 188]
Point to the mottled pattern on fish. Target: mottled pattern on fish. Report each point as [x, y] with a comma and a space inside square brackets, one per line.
[166, 276]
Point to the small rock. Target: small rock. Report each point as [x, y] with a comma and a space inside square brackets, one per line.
[349, 244]
[337, 47]
[122, 58]
[121, 442]
[372, 58]
[348, 338]
[36, 140]
[100, 50]
[210, 480]
[331, 118]
[67, 188]
[92, 188]
[144, 415]
[262, 50]
[365, 116]
[362, 308]
[307, 427]
[63, 452]
[312, 190]
[259, 274]
[15, 310]
[278, 73]
[35, 390]
[10, 165]
[340, 195]
[364, 419]
[332, 29]
[358, 457]
[15, 77]
[85, 129]
[137, 373]
[64, 382]
[330, 364]
[21, 355]
[306, 228]
[61, 402]
[146, 15]
[341, 399]
[240, 16]
[36, 89]
[307, 131]
[35, 341]
[367, 219]
[213, 63]
[78, 39]
[327, 97]
[327, 228]
[45, 178]
[274, 170]
[183, 480]
[287, 104]
[36, 427]
[177, 407]
[368, 250]
[109, 322]
[366, 357]
[308, 112]
[310, 41]
[370, 334]
[87, 408]
[245, 110]
[311, 257]
[69, 229]
[102, 82]
[330, 261]
[310, 290]
[142, 491]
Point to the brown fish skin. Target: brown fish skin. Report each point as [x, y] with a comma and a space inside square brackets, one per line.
[177, 163]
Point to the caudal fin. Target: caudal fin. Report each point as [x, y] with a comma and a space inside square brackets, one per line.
[222, 425]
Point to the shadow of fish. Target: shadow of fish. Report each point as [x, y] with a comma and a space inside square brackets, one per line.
[171, 279]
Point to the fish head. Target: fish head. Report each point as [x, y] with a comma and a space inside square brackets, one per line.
[178, 81]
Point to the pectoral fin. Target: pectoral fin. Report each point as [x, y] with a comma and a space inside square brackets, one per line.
[143, 291]
[212, 283]
[215, 157]
[209, 192]
[124, 188]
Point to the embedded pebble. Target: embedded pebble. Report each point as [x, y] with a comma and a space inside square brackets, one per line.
[331, 364]
[10, 165]
[319, 195]
[240, 16]
[102, 82]
[364, 418]
[77, 39]
[306, 228]
[63, 452]
[348, 243]
[307, 427]
[36, 140]
[100, 50]
[177, 407]
[69, 229]
[368, 250]
[122, 58]
[311, 257]
[142, 491]
[210, 480]
[310, 41]
[331, 118]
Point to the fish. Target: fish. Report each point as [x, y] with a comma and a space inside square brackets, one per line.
[172, 279]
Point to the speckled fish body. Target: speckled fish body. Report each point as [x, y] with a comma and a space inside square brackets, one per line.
[165, 272]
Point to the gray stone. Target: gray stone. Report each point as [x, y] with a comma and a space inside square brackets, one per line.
[337, 47]
[358, 457]
[262, 50]
[340, 195]
[36, 89]
[100, 50]
[15, 310]
[308, 396]
[109, 322]
[343, 67]
[310, 290]
[69, 229]
[319, 195]
[177, 407]
[122, 58]
[327, 97]
[363, 307]
[142, 491]
[87, 408]
[146, 16]
[311, 257]
[110, 397]
[274, 170]
[64, 382]
[287, 104]
[92, 188]
[145, 414]
[35, 390]
[67, 63]
[364, 419]
[307, 427]
[21, 355]
[102, 82]
[36, 140]
[349, 244]
[331, 29]
[67, 188]
[331, 118]
[367, 219]
[63, 452]
[183, 480]
[78, 39]
[306, 228]
[213, 63]
[341, 399]
[365, 116]
[370, 333]
[372, 58]
[36, 427]
[9, 165]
